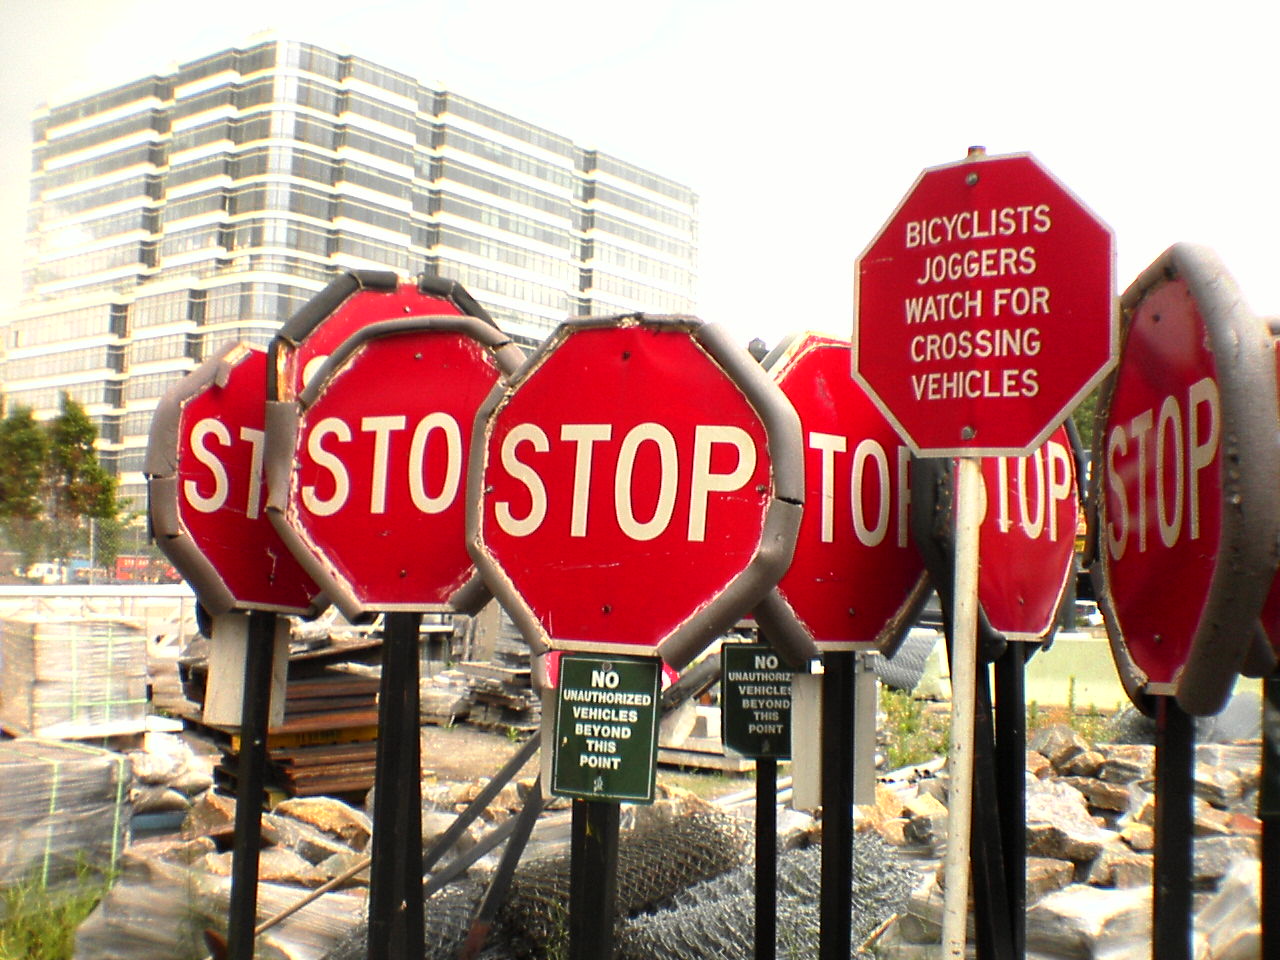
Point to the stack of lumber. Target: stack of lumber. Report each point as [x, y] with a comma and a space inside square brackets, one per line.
[502, 693]
[328, 741]
[72, 677]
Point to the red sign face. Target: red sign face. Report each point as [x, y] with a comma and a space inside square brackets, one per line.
[1162, 463]
[624, 483]
[984, 308]
[856, 568]
[376, 486]
[1027, 538]
[220, 490]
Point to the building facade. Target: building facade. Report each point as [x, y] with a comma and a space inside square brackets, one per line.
[178, 213]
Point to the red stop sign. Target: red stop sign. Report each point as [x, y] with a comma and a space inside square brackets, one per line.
[856, 573]
[367, 464]
[984, 308]
[1027, 537]
[205, 479]
[1185, 466]
[634, 488]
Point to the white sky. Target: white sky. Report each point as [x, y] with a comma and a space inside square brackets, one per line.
[800, 124]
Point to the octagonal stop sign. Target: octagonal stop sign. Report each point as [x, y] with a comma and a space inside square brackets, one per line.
[1185, 465]
[984, 308]
[1027, 537]
[856, 578]
[365, 466]
[634, 488]
[205, 482]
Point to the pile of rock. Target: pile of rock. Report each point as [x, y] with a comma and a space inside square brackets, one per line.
[1090, 841]
[173, 891]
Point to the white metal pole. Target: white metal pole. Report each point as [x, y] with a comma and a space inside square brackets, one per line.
[964, 672]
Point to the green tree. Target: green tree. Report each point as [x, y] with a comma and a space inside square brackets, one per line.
[23, 451]
[76, 488]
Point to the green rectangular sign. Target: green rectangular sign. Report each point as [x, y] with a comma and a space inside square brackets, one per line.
[606, 733]
[755, 701]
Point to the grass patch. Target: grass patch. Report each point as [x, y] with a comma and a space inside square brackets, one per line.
[1090, 722]
[38, 923]
[912, 732]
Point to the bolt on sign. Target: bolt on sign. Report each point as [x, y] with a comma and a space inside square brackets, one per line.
[365, 464]
[856, 579]
[984, 308]
[1185, 502]
[205, 483]
[634, 488]
[606, 739]
[755, 692]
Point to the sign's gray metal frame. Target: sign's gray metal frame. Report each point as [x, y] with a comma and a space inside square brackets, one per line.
[1228, 636]
[161, 469]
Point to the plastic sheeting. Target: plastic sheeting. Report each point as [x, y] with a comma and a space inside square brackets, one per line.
[72, 677]
[63, 807]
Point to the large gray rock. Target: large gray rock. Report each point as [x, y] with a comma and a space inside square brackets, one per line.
[1088, 923]
[308, 842]
[334, 817]
[1058, 744]
[1059, 824]
[1228, 927]
[1128, 763]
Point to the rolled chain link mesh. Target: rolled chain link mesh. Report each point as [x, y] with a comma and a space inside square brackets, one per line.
[685, 892]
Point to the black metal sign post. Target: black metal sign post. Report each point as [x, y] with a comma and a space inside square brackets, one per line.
[593, 879]
[606, 751]
[242, 913]
[395, 881]
[835, 923]
[1269, 814]
[756, 714]
[1174, 825]
[1010, 775]
[989, 862]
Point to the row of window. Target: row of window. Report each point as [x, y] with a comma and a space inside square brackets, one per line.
[161, 308]
[163, 348]
[50, 398]
[130, 156]
[598, 220]
[261, 301]
[109, 100]
[652, 211]
[103, 357]
[500, 252]
[148, 187]
[505, 156]
[508, 222]
[67, 325]
[651, 298]
[633, 174]
[154, 121]
[526, 196]
[451, 103]
[607, 253]
[98, 261]
[150, 386]
[478, 280]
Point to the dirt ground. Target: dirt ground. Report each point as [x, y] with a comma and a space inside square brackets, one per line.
[465, 752]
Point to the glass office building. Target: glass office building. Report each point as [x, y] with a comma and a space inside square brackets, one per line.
[177, 213]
